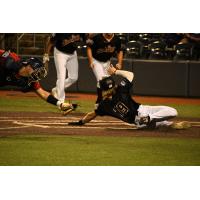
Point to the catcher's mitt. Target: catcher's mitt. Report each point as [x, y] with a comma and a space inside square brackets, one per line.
[67, 108]
[76, 123]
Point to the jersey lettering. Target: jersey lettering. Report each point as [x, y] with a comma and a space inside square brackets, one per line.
[108, 49]
[121, 108]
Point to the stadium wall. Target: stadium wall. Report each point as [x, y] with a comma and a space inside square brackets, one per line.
[152, 77]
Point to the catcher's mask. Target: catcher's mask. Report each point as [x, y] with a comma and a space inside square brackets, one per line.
[39, 72]
[107, 83]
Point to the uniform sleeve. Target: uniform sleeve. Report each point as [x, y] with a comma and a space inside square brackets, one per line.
[15, 57]
[100, 109]
[124, 86]
[36, 85]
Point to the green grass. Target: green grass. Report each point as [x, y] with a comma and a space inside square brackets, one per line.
[187, 110]
[98, 151]
[29, 104]
[40, 150]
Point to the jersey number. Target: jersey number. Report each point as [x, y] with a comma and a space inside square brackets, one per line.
[121, 108]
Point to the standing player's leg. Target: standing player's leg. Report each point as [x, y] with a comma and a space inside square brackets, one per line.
[72, 68]
[100, 71]
[60, 62]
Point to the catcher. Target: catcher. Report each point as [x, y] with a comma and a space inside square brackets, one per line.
[26, 75]
[117, 102]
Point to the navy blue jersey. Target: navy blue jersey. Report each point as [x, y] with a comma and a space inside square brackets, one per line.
[102, 50]
[9, 68]
[66, 42]
[121, 105]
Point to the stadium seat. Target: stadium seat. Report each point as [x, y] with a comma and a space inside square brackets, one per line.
[145, 47]
[133, 49]
[123, 38]
[133, 36]
[183, 51]
[81, 49]
[157, 50]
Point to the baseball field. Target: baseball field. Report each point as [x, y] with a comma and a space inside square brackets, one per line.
[34, 133]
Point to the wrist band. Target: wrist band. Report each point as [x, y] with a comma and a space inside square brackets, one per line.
[52, 100]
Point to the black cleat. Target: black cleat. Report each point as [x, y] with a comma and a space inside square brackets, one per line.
[144, 120]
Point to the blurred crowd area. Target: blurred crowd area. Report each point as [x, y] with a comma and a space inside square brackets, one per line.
[161, 46]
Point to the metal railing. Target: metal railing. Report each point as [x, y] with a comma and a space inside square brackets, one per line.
[2, 41]
[19, 37]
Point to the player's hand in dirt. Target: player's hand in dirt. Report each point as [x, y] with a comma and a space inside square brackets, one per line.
[76, 123]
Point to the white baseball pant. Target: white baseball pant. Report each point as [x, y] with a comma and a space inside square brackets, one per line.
[158, 113]
[65, 62]
[100, 70]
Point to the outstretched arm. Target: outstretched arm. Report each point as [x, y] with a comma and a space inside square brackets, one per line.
[65, 108]
[87, 118]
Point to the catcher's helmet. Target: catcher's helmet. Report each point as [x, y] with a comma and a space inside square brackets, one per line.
[107, 83]
[39, 70]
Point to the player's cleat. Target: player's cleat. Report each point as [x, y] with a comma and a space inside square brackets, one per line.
[181, 125]
[151, 125]
[54, 92]
[144, 120]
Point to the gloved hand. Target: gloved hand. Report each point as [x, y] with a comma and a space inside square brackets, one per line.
[45, 58]
[66, 108]
[76, 123]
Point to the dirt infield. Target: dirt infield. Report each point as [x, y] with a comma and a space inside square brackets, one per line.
[56, 124]
[12, 123]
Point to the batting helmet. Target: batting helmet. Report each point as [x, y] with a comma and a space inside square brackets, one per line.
[107, 83]
[39, 70]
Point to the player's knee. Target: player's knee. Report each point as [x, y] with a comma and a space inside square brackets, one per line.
[73, 80]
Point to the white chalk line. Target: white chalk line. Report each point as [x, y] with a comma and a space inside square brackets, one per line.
[29, 124]
[95, 124]
[14, 127]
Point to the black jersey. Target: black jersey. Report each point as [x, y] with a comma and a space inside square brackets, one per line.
[66, 42]
[121, 105]
[102, 50]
